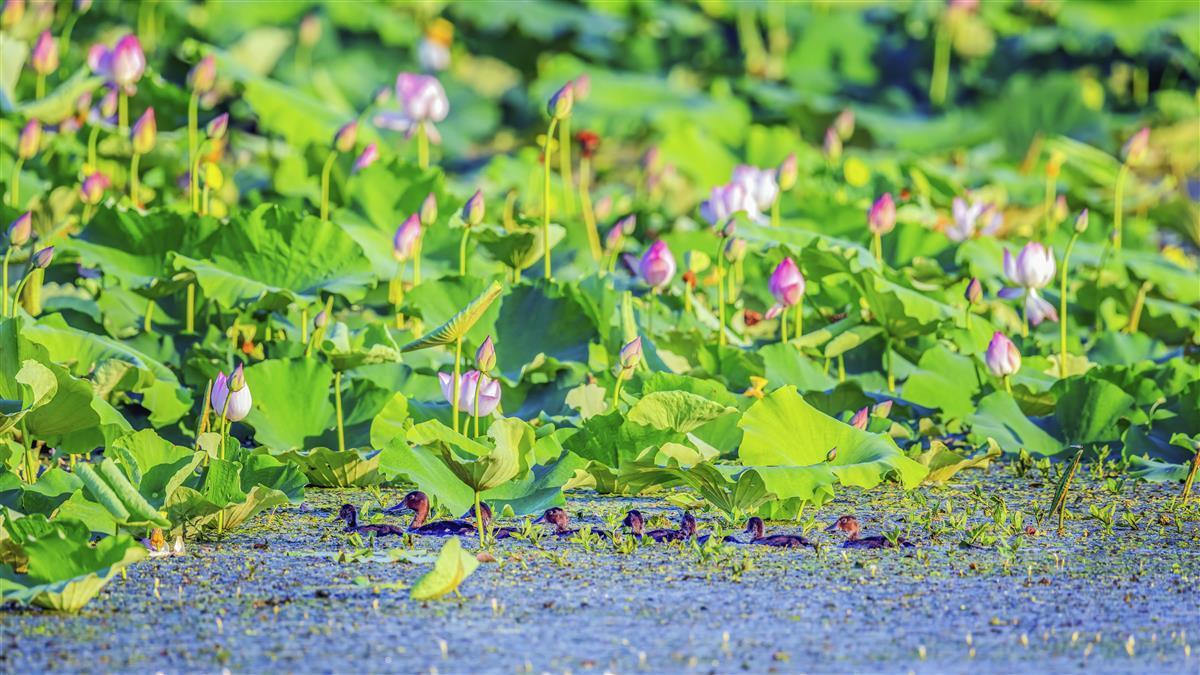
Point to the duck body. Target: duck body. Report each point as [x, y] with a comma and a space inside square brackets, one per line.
[849, 525]
[497, 532]
[418, 503]
[758, 537]
[557, 516]
[349, 514]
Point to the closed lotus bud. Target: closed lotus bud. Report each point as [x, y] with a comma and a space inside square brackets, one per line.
[833, 145]
[631, 353]
[82, 6]
[203, 76]
[41, 259]
[844, 124]
[860, 419]
[628, 224]
[404, 243]
[787, 283]
[882, 409]
[831, 455]
[974, 292]
[429, 210]
[21, 230]
[1137, 145]
[343, 140]
[310, 30]
[128, 61]
[44, 58]
[1081, 222]
[788, 172]
[735, 249]
[657, 265]
[144, 133]
[231, 397]
[881, 219]
[561, 102]
[321, 319]
[108, 103]
[604, 207]
[1060, 209]
[30, 140]
[91, 191]
[237, 381]
[12, 13]
[612, 240]
[217, 127]
[472, 211]
[1002, 356]
[366, 158]
[485, 356]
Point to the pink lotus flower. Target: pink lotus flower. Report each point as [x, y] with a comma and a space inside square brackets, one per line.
[726, 200]
[368, 157]
[44, 58]
[1031, 270]
[407, 235]
[967, 219]
[1002, 356]
[786, 284]
[423, 102]
[217, 127]
[860, 419]
[234, 390]
[758, 183]
[91, 191]
[657, 265]
[489, 394]
[128, 62]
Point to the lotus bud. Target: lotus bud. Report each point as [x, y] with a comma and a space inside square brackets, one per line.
[144, 133]
[833, 145]
[429, 210]
[604, 207]
[217, 127]
[1135, 148]
[787, 283]
[231, 396]
[128, 61]
[881, 219]
[831, 455]
[974, 292]
[581, 87]
[1081, 222]
[561, 102]
[485, 356]
[41, 259]
[844, 124]
[237, 381]
[12, 13]
[472, 211]
[30, 140]
[21, 230]
[728, 230]
[788, 172]
[1060, 209]
[1002, 356]
[882, 409]
[657, 265]
[83, 104]
[203, 76]
[631, 354]
[612, 240]
[343, 140]
[366, 158]
[108, 104]
[82, 6]
[321, 319]
[404, 243]
[859, 421]
[735, 249]
[44, 58]
[91, 191]
[310, 30]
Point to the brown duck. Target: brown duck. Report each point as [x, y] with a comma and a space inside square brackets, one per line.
[418, 503]
[349, 514]
[756, 529]
[637, 525]
[497, 532]
[849, 525]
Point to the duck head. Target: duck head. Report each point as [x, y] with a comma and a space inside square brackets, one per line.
[755, 527]
[349, 514]
[555, 516]
[634, 521]
[687, 524]
[846, 524]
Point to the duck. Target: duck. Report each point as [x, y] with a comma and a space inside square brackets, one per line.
[849, 525]
[418, 503]
[497, 532]
[755, 528]
[637, 524]
[349, 513]
[557, 516]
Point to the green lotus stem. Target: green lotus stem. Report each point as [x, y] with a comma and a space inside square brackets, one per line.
[193, 113]
[27, 455]
[64, 41]
[14, 199]
[1118, 206]
[1062, 308]
[799, 319]
[941, 65]
[204, 201]
[462, 253]
[122, 113]
[475, 407]
[457, 371]
[889, 357]
[1048, 206]
[225, 425]
[564, 166]
[93, 139]
[398, 296]
[148, 318]
[546, 197]
[841, 368]
[479, 513]
[783, 324]
[325, 171]
[721, 294]
[17, 294]
[133, 180]
[1007, 384]
[650, 311]
[4, 296]
[1139, 303]
[877, 247]
[617, 390]
[589, 214]
[337, 404]
[202, 423]
[417, 261]
[303, 324]
[190, 321]
[775, 213]
[39, 87]
[194, 176]
[422, 147]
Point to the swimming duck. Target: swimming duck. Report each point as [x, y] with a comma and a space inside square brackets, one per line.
[418, 503]
[557, 516]
[349, 514]
[497, 532]
[849, 525]
[637, 524]
[755, 528]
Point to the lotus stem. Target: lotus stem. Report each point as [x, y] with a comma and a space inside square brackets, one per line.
[325, 172]
[398, 296]
[889, 357]
[202, 423]
[457, 372]
[303, 324]
[967, 316]
[783, 323]
[650, 311]
[1007, 385]
[721, 293]
[1062, 308]
[940, 77]
[337, 404]
[122, 113]
[546, 197]
[877, 247]
[617, 390]
[479, 512]
[193, 113]
[148, 318]
[475, 407]
[133, 180]
[1139, 303]
[564, 166]
[39, 87]
[204, 201]
[4, 296]
[799, 319]
[462, 253]
[93, 139]
[16, 299]
[30, 471]
[510, 205]
[194, 176]
[417, 260]
[422, 147]
[190, 322]
[14, 199]
[589, 215]
[841, 368]
[775, 213]
[1118, 205]
[225, 425]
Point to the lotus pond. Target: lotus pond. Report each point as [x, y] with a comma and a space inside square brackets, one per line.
[570, 336]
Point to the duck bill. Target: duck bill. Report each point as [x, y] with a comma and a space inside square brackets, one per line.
[541, 519]
[397, 509]
[832, 527]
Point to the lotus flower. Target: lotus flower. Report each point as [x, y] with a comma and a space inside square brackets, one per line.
[974, 292]
[759, 184]
[657, 265]
[1002, 356]
[30, 140]
[236, 391]
[726, 200]
[1032, 269]
[786, 286]
[44, 58]
[423, 101]
[844, 124]
[144, 133]
[21, 229]
[967, 220]
[832, 145]
[485, 356]
[91, 191]
[404, 243]
[624, 227]
[881, 219]
[489, 394]
[368, 157]
[203, 76]
[346, 136]
[108, 104]
[127, 62]
[310, 30]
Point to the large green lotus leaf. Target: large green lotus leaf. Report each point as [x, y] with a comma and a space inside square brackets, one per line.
[520, 247]
[1089, 409]
[540, 489]
[791, 487]
[782, 429]
[274, 257]
[998, 418]
[48, 493]
[678, 411]
[733, 496]
[333, 469]
[292, 402]
[1157, 471]
[41, 386]
[260, 470]
[153, 464]
[480, 466]
[369, 345]
[784, 363]
[135, 248]
[713, 391]
[424, 467]
[612, 441]
[539, 323]
[95, 516]
[192, 510]
[161, 391]
[458, 325]
[903, 312]
[943, 462]
[390, 422]
[452, 567]
[944, 379]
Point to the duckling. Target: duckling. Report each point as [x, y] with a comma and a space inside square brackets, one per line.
[849, 525]
[497, 532]
[349, 514]
[418, 503]
[755, 528]
[637, 524]
[557, 516]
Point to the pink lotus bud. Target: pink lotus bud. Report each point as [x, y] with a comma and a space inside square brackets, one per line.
[472, 211]
[561, 102]
[30, 140]
[12, 12]
[631, 354]
[786, 283]
[1081, 222]
[99, 59]
[91, 191]
[485, 356]
[881, 219]
[860, 419]
[41, 260]
[974, 292]
[144, 133]
[429, 210]
[344, 139]
[203, 76]
[833, 145]
[788, 172]
[604, 207]
[366, 158]
[844, 124]
[657, 265]
[882, 409]
[1135, 148]
[237, 381]
[831, 455]
[612, 240]
[404, 243]
[20, 231]
[108, 103]
[128, 61]
[44, 58]
[217, 127]
[1002, 356]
